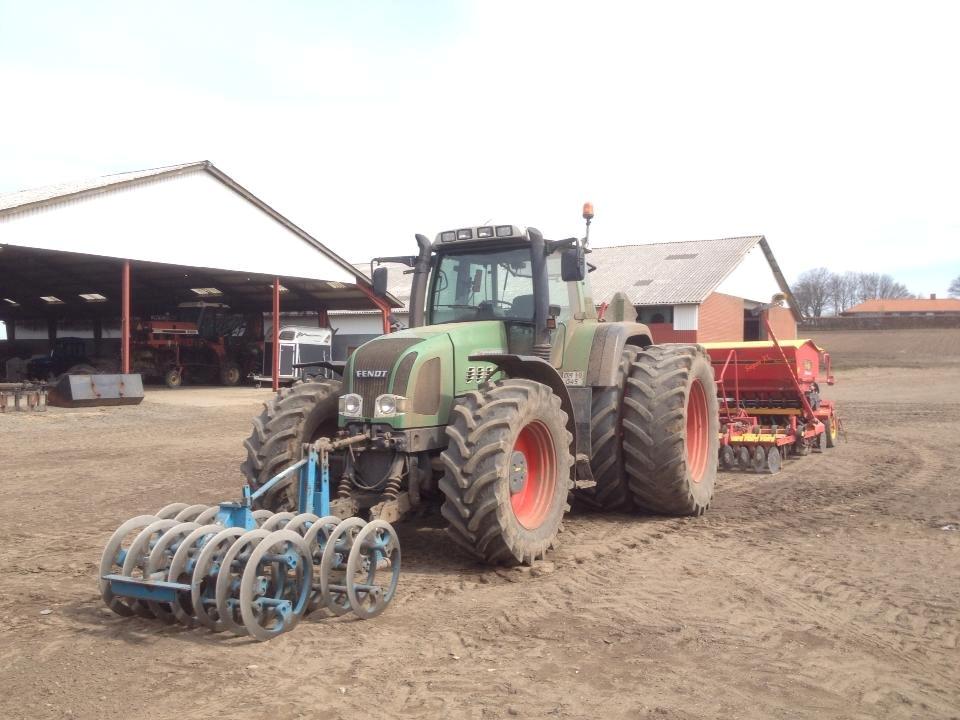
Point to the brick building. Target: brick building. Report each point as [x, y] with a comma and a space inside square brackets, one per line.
[906, 307]
[699, 290]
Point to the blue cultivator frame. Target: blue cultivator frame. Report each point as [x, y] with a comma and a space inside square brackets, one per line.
[311, 498]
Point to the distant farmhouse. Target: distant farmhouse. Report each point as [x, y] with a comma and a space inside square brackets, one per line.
[694, 291]
[909, 307]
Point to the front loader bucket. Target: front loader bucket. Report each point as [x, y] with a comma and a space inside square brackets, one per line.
[94, 390]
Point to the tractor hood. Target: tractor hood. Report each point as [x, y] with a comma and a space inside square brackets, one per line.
[426, 366]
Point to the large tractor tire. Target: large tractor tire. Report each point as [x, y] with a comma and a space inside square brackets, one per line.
[606, 430]
[671, 429]
[294, 416]
[507, 471]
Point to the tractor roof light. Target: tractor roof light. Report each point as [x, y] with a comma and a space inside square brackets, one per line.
[485, 232]
[504, 230]
[465, 234]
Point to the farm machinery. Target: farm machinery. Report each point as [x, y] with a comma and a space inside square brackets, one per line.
[769, 400]
[202, 340]
[252, 572]
[504, 395]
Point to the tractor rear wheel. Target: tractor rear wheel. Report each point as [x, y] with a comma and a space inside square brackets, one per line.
[294, 416]
[606, 432]
[507, 471]
[671, 429]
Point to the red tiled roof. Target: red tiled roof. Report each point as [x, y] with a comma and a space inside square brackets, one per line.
[907, 305]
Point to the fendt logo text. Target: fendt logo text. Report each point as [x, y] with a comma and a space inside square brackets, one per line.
[371, 373]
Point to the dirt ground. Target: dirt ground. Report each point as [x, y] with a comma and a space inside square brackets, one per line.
[831, 590]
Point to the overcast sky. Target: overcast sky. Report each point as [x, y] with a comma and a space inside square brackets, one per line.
[833, 128]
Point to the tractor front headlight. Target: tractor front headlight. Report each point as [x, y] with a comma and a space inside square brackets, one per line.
[351, 405]
[389, 406]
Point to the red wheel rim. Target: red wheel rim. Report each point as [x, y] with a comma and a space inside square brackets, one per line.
[698, 429]
[532, 504]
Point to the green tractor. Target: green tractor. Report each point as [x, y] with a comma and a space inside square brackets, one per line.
[507, 394]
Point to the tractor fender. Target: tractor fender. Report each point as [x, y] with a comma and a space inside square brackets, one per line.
[607, 347]
[539, 370]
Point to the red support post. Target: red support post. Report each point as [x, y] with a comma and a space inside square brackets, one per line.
[125, 319]
[382, 305]
[276, 334]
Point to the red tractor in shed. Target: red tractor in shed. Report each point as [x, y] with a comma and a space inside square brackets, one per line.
[203, 341]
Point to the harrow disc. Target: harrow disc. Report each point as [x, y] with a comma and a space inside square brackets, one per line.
[137, 555]
[158, 563]
[277, 521]
[276, 585]
[376, 551]
[333, 565]
[228, 579]
[183, 565]
[191, 512]
[759, 458]
[302, 523]
[317, 538]
[743, 457]
[113, 558]
[168, 512]
[203, 583]
[207, 516]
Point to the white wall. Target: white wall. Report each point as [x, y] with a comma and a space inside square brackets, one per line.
[752, 279]
[191, 219]
[686, 317]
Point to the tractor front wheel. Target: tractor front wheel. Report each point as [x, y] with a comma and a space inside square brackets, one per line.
[507, 471]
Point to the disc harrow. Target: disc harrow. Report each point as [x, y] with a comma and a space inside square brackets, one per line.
[254, 573]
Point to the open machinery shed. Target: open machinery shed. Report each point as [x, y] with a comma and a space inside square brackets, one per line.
[133, 244]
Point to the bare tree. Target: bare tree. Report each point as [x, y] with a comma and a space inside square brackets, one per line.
[954, 289]
[812, 291]
[843, 291]
[867, 285]
[890, 289]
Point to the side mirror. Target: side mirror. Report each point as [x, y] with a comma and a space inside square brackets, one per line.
[380, 281]
[573, 265]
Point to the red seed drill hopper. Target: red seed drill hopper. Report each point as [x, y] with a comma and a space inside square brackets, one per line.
[768, 392]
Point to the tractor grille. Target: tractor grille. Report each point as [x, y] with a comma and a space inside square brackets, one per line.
[377, 355]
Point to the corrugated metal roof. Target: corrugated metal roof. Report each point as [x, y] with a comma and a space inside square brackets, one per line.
[671, 273]
[36, 196]
[905, 305]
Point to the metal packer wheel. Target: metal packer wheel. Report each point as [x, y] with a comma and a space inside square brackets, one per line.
[261, 516]
[759, 458]
[228, 579]
[168, 512]
[112, 560]
[333, 566]
[207, 516]
[302, 523]
[743, 457]
[774, 460]
[376, 551]
[317, 538]
[158, 563]
[190, 513]
[276, 585]
[203, 583]
[277, 521]
[183, 565]
[138, 554]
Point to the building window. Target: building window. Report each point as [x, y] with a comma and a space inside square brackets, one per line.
[655, 314]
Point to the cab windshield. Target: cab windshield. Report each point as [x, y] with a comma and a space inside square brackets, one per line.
[492, 285]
